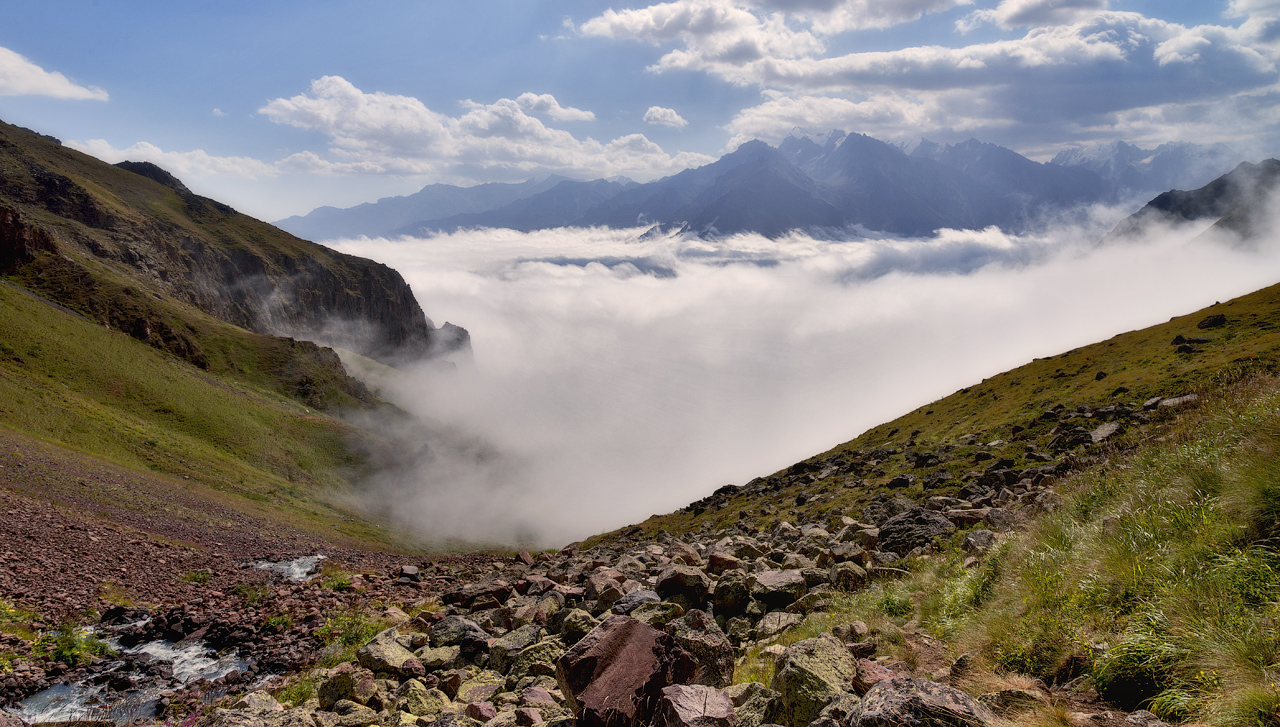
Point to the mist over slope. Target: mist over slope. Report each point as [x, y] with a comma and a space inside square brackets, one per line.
[620, 374]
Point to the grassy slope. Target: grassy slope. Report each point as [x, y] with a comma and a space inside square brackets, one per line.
[1144, 362]
[72, 382]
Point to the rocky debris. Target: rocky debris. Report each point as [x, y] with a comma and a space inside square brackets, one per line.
[914, 528]
[615, 674]
[914, 702]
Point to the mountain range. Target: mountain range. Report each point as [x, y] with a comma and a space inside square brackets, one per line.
[814, 182]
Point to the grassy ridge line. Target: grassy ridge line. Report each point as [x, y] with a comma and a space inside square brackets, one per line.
[1128, 368]
[71, 382]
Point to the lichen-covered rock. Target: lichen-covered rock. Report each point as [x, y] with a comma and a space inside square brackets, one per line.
[694, 705]
[615, 675]
[658, 614]
[480, 687]
[506, 646]
[809, 675]
[847, 576]
[629, 602]
[457, 631]
[546, 652]
[575, 624]
[416, 699]
[732, 594]
[775, 622]
[913, 702]
[384, 653]
[699, 635]
[435, 659]
[346, 683]
[754, 703]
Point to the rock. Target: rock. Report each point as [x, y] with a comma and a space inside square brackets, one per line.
[1216, 320]
[908, 702]
[415, 698]
[458, 631]
[480, 688]
[1104, 432]
[754, 703]
[628, 603]
[506, 646]
[779, 588]
[683, 582]
[1009, 701]
[1000, 519]
[576, 624]
[545, 652]
[658, 614]
[775, 622]
[809, 675]
[527, 717]
[1143, 718]
[912, 529]
[698, 634]
[978, 541]
[868, 674]
[384, 653]
[349, 684]
[444, 657]
[615, 675]
[481, 711]
[682, 553]
[718, 563]
[353, 714]
[732, 594]
[258, 701]
[694, 705]
[847, 576]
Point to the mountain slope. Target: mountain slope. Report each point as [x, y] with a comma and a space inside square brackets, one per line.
[1242, 200]
[558, 206]
[433, 202]
[141, 223]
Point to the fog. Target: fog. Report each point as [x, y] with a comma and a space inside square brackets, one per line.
[616, 374]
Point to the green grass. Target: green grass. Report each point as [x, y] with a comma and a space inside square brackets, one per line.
[345, 632]
[72, 382]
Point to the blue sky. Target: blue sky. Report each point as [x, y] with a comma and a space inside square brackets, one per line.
[279, 107]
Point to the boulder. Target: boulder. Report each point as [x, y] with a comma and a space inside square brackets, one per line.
[658, 614]
[444, 657]
[848, 576]
[775, 622]
[694, 705]
[754, 703]
[346, 683]
[808, 676]
[384, 653]
[615, 675]
[509, 644]
[458, 631]
[978, 541]
[912, 529]
[732, 594]
[537, 659]
[914, 702]
[719, 562]
[628, 603]
[683, 582]
[698, 634]
[415, 698]
[779, 588]
[576, 624]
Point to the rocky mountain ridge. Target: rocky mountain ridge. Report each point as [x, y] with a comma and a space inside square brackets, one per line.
[831, 181]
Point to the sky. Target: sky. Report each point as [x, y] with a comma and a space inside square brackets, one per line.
[279, 107]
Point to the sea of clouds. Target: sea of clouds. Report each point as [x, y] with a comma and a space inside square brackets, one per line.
[616, 374]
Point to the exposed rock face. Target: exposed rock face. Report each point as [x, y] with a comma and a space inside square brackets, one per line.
[615, 675]
[694, 706]
[912, 529]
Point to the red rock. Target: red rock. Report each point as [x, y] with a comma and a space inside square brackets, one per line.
[615, 675]
[694, 705]
[481, 711]
[869, 674]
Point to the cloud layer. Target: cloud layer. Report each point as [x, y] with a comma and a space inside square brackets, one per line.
[616, 377]
[20, 77]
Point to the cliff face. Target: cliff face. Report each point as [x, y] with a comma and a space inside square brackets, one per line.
[139, 221]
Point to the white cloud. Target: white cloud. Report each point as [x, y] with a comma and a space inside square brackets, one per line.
[1020, 13]
[664, 117]
[379, 133]
[603, 394]
[218, 112]
[827, 17]
[20, 77]
[547, 105]
[180, 164]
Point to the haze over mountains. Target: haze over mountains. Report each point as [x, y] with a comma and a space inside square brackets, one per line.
[816, 182]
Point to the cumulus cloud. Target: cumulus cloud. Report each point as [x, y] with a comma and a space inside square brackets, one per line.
[615, 377]
[383, 133]
[20, 77]
[547, 105]
[1020, 13]
[835, 16]
[664, 117]
[179, 163]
